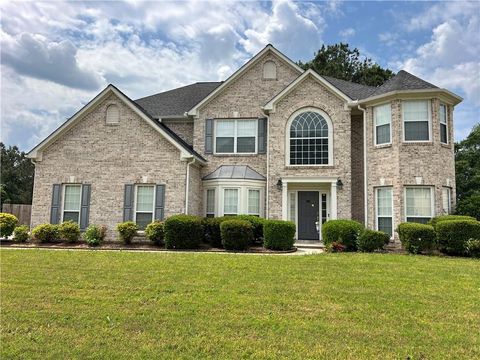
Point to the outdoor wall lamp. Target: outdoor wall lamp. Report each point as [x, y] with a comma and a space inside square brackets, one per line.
[339, 184]
[279, 184]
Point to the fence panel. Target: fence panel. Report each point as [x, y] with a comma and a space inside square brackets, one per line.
[21, 211]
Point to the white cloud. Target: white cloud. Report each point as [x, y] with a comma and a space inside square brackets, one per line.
[347, 33]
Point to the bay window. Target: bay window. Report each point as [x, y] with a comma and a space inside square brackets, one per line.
[144, 205]
[416, 120]
[235, 136]
[418, 204]
[384, 210]
[443, 124]
[72, 203]
[230, 202]
[254, 202]
[382, 116]
[447, 200]
[210, 211]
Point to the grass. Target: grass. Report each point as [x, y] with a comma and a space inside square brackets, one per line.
[123, 305]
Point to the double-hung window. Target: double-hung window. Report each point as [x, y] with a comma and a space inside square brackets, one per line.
[416, 120]
[383, 122]
[418, 204]
[71, 203]
[230, 202]
[235, 136]
[210, 208]
[254, 202]
[443, 124]
[447, 200]
[144, 205]
[384, 210]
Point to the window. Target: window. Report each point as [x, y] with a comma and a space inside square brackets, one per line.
[71, 203]
[384, 210]
[416, 120]
[145, 205]
[230, 202]
[113, 115]
[235, 136]
[309, 143]
[254, 202]
[293, 207]
[269, 70]
[210, 211]
[447, 200]
[418, 204]
[443, 124]
[383, 119]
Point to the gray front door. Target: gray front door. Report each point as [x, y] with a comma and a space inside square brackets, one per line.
[308, 211]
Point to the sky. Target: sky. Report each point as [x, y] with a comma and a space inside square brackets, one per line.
[56, 56]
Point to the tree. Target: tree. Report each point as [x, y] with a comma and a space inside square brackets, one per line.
[341, 62]
[467, 168]
[16, 176]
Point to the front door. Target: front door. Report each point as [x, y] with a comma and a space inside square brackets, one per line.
[308, 212]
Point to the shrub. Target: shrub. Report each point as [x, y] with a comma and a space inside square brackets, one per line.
[345, 232]
[415, 237]
[20, 233]
[438, 219]
[127, 230]
[278, 234]
[452, 236]
[183, 232]
[473, 248]
[95, 234]
[371, 240]
[69, 231]
[335, 247]
[211, 227]
[257, 224]
[155, 232]
[236, 234]
[45, 233]
[7, 224]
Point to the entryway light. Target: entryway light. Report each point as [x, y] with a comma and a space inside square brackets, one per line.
[279, 184]
[339, 184]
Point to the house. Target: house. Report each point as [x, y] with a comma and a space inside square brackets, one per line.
[272, 140]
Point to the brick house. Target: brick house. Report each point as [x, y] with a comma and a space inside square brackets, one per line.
[272, 140]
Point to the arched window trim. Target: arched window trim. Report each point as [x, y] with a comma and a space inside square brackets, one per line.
[109, 106]
[268, 63]
[330, 137]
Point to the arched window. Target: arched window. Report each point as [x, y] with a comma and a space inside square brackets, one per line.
[269, 70]
[309, 139]
[113, 115]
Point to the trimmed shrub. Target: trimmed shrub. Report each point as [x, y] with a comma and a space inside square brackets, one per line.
[211, 228]
[95, 234]
[20, 234]
[438, 219]
[236, 234]
[7, 224]
[183, 232]
[335, 247]
[416, 237]
[278, 234]
[371, 240]
[345, 232]
[452, 236]
[45, 233]
[473, 248]
[127, 231]
[155, 232]
[69, 231]
[257, 224]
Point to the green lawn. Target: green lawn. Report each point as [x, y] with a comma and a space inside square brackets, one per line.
[122, 305]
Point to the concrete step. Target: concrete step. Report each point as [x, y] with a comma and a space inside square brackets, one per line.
[309, 244]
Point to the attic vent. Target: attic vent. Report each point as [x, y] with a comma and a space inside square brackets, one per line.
[113, 115]
[269, 70]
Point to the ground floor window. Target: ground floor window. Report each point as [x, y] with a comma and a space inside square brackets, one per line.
[210, 210]
[418, 204]
[447, 200]
[144, 205]
[71, 203]
[384, 210]
[230, 202]
[254, 202]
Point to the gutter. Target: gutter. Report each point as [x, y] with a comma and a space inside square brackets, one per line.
[187, 184]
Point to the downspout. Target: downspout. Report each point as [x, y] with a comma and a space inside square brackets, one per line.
[365, 180]
[187, 184]
[267, 190]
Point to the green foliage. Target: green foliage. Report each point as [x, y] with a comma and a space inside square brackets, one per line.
[438, 219]
[335, 247]
[257, 223]
[20, 234]
[236, 234]
[155, 232]
[95, 234]
[69, 231]
[7, 224]
[341, 62]
[183, 232]
[416, 237]
[345, 232]
[469, 205]
[452, 236]
[371, 240]
[211, 228]
[279, 234]
[473, 248]
[127, 231]
[45, 233]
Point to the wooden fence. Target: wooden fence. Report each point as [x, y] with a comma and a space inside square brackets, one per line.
[21, 211]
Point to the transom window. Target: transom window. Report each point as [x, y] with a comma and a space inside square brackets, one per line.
[309, 143]
[383, 119]
[144, 205]
[418, 204]
[71, 203]
[254, 202]
[443, 124]
[235, 136]
[416, 120]
[210, 210]
[384, 210]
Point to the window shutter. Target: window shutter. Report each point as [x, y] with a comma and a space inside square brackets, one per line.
[262, 135]
[56, 204]
[208, 136]
[159, 202]
[128, 203]
[85, 206]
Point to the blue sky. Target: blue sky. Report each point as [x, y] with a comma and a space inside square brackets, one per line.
[56, 56]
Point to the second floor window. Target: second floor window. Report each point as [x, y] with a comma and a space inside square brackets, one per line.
[235, 136]
[383, 118]
[443, 124]
[416, 120]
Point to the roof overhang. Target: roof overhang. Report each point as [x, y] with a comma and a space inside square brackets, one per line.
[443, 94]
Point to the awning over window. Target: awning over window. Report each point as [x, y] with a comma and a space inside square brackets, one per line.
[234, 172]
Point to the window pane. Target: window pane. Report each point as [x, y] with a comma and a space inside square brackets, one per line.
[254, 202]
[225, 128]
[383, 115]
[418, 202]
[385, 225]
[230, 201]
[246, 145]
[71, 215]
[246, 128]
[416, 131]
[309, 151]
[145, 198]
[415, 111]
[383, 134]
[384, 201]
[443, 114]
[446, 200]
[224, 145]
[443, 133]
[210, 201]
[143, 219]
[72, 197]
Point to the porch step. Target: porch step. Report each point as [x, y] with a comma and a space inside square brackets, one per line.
[309, 244]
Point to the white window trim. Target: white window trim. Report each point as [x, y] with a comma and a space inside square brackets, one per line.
[429, 107]
[216, 121]
[432, 201]
[440, 123]
[239, 195]
[376, 209]
[449, 192]
[215, 201]
[63, 202]
[330, 138]
[135, 202]
[375, 125]
[259, 201]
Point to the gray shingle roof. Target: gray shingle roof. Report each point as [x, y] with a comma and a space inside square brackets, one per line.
[234, 172]
[177, 101]
[402, 81]
[353, 90]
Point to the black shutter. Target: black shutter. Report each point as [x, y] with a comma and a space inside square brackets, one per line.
[85, 206]
[128, 203]
[208, 136]
[159, 202]
[262, 135]
[56, 204]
